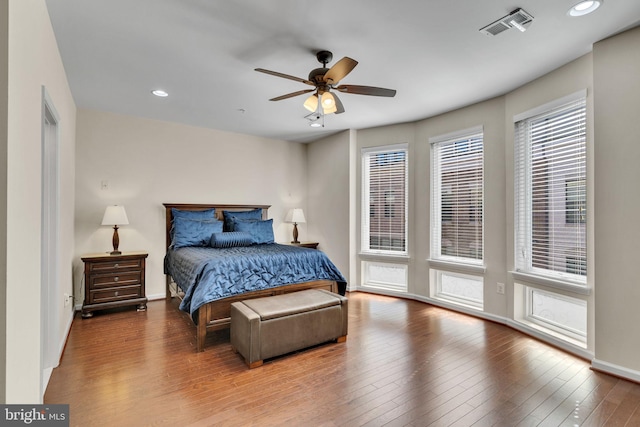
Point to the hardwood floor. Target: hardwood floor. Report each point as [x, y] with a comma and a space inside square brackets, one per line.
[404, 363]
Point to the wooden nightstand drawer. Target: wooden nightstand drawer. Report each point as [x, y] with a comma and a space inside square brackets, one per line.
[112, 281]
[125, 278]
[117, 294]
[109, 266]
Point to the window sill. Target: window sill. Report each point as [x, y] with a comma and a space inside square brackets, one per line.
[562, 285]
[381, 256]
[456, 266]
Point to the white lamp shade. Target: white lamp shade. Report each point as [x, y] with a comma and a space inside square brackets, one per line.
[115, 215]
[311, 103]
[328, 103]
[295, 215]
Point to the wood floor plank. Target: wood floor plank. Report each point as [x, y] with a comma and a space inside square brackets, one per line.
[405, 363]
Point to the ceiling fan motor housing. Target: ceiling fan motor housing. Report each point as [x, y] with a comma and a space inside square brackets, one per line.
[316, 75]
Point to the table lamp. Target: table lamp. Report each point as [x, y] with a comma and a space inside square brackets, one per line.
[295, 216]
[115, 215]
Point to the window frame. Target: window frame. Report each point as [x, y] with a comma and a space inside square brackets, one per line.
[440, 210]
[523, 193]
[438, 293]
[385, 210]
[553, 327]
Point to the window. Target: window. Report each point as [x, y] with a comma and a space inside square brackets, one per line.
[458, 288]
[385, 276]
[384, 210]
[557, 313]
[457, 196]
[550, 192]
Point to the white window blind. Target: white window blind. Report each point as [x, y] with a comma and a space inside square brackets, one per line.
[384, 222]
[550, 192]
[457, 173]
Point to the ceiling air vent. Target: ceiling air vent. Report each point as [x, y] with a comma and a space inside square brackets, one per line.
[516, 19]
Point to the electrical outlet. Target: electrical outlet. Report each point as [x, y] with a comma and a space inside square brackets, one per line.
[500, 288]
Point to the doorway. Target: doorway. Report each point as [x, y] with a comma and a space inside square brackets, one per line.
[50, 287]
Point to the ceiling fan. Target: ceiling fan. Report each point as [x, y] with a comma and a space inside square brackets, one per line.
[324, 80]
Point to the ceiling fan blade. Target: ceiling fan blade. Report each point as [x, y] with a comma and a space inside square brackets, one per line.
[285, 76]
[339, 106]
[366, 90]
[291, 95]
[339, 70]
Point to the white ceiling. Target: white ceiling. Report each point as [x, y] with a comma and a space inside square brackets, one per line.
[203, 52]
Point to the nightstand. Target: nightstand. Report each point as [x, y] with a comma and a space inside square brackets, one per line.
[113, 281]
[312, 245]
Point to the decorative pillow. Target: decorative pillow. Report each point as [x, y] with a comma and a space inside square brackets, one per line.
[206, 214]
[191, 232]
[231, 239]
[261, 231]
[230, 215]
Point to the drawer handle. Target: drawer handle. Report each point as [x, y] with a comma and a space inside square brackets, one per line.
[115, 279]
[116, 293]
[116, 266]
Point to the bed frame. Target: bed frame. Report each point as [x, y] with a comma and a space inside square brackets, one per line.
[216, 314]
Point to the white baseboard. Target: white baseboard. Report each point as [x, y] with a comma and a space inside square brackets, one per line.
[615, 370]
[156, 297]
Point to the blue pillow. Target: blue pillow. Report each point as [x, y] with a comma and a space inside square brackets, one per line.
[205, 214]
[231, 239]
[191, 232]
[230, 215]
[261, 231]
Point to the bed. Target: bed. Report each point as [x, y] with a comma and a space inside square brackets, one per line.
[208, 280]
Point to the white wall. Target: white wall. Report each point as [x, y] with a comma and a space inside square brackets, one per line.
[34, 61]
[147, 163]
[616, 64]
[328, 194]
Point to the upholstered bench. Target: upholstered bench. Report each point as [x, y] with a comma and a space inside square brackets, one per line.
[263, 328]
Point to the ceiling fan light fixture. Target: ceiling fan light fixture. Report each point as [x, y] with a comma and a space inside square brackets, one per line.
[328, 100]
[329, 110]
[323, 81]
[311, 103]
[584, 7]
[328, 103]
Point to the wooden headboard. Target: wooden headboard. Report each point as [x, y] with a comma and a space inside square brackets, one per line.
[201, 207]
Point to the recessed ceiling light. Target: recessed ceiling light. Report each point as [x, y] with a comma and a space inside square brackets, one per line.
[585, 7]
[160, 93]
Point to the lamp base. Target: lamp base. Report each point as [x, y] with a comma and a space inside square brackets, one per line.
[115, 241]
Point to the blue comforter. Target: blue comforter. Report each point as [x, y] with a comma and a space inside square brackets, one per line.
[208, 274]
